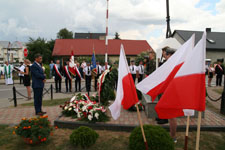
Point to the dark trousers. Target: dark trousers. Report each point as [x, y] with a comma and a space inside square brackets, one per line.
[38, 93]
[77, 84]
[134, 77]
[88, 83]
[21, 79]
[58, 85]
[96, 81]
[140, 78]
[219, 80]
[68, 81]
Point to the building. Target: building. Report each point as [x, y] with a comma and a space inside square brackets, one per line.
[215, 44]
[100, 36]
[12, 51]
[85, 47]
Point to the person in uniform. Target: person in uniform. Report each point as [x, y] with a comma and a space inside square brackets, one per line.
[150, 64]
[87, 76]
[140, 71]
[133, 70]
[68, 78]
[219, 70]
[105, 67]
[57, 73]
[7, 71]
[99, 72]
[78, 78]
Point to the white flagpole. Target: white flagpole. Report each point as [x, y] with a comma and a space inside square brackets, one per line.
[106, 34]
[187, 132]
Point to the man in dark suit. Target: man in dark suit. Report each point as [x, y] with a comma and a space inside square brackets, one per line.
[87, 76]
[68, 78]
[57, 73]
[78, 78]
[38, 80]
[219, 70]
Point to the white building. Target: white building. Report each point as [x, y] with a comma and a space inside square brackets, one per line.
[12, 51]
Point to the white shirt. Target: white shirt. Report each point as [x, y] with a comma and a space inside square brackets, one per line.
[87, 71]
[104, 67]
[99, 69]
[133, 69]
[141, 69]
[84, 65]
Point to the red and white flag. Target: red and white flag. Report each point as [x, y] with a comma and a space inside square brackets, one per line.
[187, 89]
[157, 82]
[126, 92]
[72, 65]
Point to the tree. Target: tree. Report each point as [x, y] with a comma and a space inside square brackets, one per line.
[117, 36]
[65, 34]
[40, 45]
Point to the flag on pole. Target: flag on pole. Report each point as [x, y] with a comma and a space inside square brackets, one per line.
[187, 89]
[72, 65]
[126, 92]
[93, 63]
[157, 82]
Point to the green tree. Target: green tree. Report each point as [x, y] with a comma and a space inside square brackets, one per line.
[65, 34]
[39, 45]
[117, 36]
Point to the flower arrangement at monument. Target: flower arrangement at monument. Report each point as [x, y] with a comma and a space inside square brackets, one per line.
[34, 130]
[84, 108]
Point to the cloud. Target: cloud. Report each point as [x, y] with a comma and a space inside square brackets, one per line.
[133, 19]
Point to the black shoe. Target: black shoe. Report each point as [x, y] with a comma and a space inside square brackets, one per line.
[43, 112]
[157, 119]
[162, 121]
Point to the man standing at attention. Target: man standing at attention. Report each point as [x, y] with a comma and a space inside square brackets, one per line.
[68, 78]
[133, 70]
[57, 72]
[99, 72]
[87, 76]
[38, 80]
[140, 71]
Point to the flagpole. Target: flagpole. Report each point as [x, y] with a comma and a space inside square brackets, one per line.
[198, 130]
[187, 131]
[142, 129]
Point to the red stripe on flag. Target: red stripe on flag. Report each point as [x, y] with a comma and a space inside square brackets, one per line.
[159, 89]
[186, 92]
[129, 92]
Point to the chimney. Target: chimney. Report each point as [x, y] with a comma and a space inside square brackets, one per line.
[208, 29]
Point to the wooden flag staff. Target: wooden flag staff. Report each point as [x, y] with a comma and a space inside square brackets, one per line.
[142, 129]
[187, 131]
[198, 130]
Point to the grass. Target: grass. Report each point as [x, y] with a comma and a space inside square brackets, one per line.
[107, 140]
[54, 102]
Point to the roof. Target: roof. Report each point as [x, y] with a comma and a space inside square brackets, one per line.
[64, 47]
[215, 40]
[88, 35]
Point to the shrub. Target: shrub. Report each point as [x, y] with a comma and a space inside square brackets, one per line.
[84, 137]
[34, 130]
[47, 70]
[157, 139]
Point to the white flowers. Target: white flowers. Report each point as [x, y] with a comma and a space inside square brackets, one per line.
[83, 108]
[96, 115]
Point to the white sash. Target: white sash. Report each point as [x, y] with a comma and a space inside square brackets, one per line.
[67, 72]
[57, 71]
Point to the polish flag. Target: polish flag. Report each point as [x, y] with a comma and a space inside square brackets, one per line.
[187, 89]
[72, 65]
[126, 92]
[157, 82]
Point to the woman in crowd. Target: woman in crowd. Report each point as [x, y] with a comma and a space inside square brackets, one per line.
[211, 72]
[26, 80]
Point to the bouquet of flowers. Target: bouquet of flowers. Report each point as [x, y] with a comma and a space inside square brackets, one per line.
[34, 130]
[84, 108]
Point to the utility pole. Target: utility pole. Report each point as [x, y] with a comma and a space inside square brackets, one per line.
[168, 30]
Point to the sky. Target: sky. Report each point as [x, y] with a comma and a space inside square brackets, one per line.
[132, 19]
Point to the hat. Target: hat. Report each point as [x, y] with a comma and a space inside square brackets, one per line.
[170, 51]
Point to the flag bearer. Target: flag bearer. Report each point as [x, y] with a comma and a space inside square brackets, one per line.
[57, 72]
[87, 76]
[68, 78]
